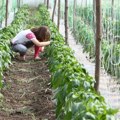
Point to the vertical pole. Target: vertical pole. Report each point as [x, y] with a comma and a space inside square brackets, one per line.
[94, 10]
[94, 18]
[18, 3]
[47, 4]
[74, 14]
[98, 41]
[66, 21]
[54, 10]
[6, 16]
[58, 14]
[112, 9]
[1, 24]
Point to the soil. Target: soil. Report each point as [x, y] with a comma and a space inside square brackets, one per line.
[27, 91]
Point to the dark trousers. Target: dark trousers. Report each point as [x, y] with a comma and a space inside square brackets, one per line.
[22, 48]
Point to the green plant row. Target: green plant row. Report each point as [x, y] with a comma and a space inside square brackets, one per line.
[84, 34]
[7, 33]
[110, 58]
[75, 96]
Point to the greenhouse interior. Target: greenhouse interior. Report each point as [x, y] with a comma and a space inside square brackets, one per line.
[59, 60]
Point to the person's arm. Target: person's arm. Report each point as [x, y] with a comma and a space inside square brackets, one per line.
[40, 44]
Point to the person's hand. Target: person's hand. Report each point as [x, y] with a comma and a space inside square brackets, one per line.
[49, 42]
[42, 50]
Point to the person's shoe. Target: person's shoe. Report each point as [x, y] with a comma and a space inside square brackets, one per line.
[37, 58]
[22, 58]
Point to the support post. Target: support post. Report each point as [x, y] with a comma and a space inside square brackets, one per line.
[98, 44]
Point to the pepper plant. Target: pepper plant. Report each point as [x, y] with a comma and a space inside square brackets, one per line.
[6, 34]
[73, 87]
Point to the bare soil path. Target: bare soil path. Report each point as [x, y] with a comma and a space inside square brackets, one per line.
[27, 93]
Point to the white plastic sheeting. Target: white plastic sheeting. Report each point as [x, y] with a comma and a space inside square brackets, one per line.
[33, 3]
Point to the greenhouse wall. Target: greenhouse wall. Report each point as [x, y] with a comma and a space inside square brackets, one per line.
[33, 3]
[12, 9]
